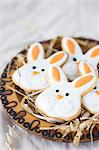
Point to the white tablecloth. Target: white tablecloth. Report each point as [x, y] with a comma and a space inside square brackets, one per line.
[22, 22]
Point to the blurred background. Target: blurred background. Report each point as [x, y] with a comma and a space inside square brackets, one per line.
[22, 22]
[27, 21]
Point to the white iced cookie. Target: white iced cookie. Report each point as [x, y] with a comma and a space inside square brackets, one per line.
[62, 100]
[75, 55]
[91, 100]
[33, 75]
[84, 68]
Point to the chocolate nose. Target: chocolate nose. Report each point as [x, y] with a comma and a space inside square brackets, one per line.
[35, 72]
[59, 97]
[97, 92]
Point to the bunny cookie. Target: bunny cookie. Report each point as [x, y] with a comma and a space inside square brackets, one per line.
[75, 55]
[62, 100]
[33, 75]
[90, 100]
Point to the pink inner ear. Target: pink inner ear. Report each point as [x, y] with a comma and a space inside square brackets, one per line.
[84, 80]
[57, 58]
[56, 74]
[95, 53]
[71, 46]
[97, 92]
[35, 52]
[86, 68]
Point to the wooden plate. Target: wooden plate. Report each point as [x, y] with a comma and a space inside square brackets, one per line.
[11, 100]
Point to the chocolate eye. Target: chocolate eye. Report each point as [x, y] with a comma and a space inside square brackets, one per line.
[67, 94]
[57, 91]
[34, 67]
[74, 59]
[43, 70]
[26, 102]
[94, 87]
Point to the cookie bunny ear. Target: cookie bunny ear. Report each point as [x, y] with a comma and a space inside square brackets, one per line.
[93, 55]
[71, 46]
[85, 83]
[58, 58]
[85, 68]
[56, 75]
[35, 52]
[93, 52]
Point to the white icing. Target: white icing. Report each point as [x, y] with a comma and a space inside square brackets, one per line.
[91, 100]
[64, 108]
[34, 79]
[93, 61]
[27, 80]
[70, 67]
[70, 73]
[82, 69]
[58, 104]
[97, 84]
